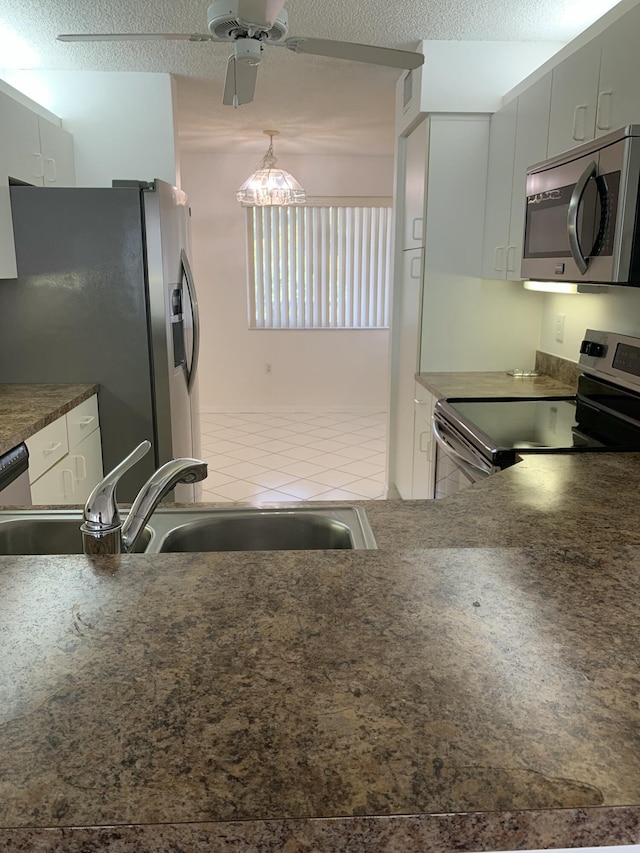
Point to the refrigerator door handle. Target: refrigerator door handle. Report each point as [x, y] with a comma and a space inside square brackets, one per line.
[193, 299]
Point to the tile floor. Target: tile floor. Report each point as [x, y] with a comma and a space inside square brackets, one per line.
[294, 456]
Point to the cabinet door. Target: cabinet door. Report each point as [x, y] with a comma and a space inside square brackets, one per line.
[532, 128]
[56, 486]
[574, 95]
[85, 462]
[618, 92]
[423, 445]
[20, 149]
[416, 153]
[502, 141]
[407, 323]
[57, 154]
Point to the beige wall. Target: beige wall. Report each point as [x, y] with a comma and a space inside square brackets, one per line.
[618, 310]
[316, 368]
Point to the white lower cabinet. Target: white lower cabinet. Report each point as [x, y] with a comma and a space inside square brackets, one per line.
[424, 453]
[65, 458]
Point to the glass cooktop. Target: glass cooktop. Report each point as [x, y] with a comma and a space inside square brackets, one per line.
[519, 424]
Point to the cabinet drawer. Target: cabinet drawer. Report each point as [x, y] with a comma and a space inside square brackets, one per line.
[47, 447]
[82, 421]
[56, 486]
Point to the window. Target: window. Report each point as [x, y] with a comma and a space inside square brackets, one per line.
[320, 265]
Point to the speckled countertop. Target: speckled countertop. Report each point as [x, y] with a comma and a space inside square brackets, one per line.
[472, 685]
[492, 384]
[25, 409]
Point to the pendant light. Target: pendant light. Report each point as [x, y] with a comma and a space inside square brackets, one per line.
[269, 185]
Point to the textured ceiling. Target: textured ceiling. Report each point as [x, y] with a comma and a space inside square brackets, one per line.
[317, 104]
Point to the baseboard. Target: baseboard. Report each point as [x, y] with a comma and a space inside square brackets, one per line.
[355, 410]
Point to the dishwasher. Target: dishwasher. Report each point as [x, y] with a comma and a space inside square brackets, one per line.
[14, 477]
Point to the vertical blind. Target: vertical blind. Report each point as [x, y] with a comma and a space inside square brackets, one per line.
[319, 267]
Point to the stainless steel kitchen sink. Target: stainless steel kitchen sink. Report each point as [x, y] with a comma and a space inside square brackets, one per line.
[271, 529]
[280, 527]
[39, 532]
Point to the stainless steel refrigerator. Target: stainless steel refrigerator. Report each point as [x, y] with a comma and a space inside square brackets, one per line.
[105, 294]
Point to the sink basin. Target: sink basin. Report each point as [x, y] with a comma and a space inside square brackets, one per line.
[271, 529]
[47, 533]
[281, 527]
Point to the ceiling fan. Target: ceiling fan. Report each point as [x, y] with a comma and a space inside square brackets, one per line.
[250, 25]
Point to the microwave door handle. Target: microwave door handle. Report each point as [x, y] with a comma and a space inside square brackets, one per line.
[572, 218]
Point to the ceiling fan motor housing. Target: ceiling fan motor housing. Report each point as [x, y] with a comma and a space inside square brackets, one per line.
[224, 23]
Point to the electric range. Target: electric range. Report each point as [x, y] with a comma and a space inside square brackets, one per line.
[479, 436]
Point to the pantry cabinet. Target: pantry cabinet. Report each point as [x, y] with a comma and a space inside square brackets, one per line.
[33, 150]
[416, 154]
[65, 457]
[407, 326]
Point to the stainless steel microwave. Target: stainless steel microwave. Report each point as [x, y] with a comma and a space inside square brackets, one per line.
[581, 221]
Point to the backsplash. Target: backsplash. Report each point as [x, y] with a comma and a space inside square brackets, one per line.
[558, 368]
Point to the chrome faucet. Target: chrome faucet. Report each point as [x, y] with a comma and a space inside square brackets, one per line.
[102, 530]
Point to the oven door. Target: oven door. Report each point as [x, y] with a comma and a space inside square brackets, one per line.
[458, 462]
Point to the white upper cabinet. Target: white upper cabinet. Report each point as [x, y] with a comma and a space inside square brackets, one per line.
[502, 146]
[416, 156]
[618, 92]
[56, 147]
[574, 99]
[518, 139]
[33, 150]
[531, 147]
[20, 154]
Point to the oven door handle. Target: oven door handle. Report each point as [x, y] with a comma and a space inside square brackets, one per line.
[572, 217]
[455, 448]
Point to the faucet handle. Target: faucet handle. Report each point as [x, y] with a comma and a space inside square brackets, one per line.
[101, 507]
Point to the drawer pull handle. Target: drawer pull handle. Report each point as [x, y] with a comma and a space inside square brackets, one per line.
[84, 422]
[52, 448]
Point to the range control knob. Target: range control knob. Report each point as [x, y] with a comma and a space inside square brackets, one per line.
[592, 348]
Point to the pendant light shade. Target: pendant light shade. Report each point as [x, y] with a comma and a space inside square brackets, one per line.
[269, 185]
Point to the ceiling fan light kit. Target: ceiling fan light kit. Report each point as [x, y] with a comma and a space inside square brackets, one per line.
[252, 25]
[270, 186]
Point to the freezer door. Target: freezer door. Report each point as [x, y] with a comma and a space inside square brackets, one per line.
[173, 317]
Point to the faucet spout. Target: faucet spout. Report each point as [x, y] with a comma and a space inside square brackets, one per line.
[162, 481]
[102, 529]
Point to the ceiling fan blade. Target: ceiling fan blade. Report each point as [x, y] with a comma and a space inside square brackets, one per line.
[239, 83]
[262, 13]
[137, 37]
[355, 52]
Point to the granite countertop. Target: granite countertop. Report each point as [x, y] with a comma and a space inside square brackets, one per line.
[492, 384]
[26, 409]
[415, 697]
[471, 685]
